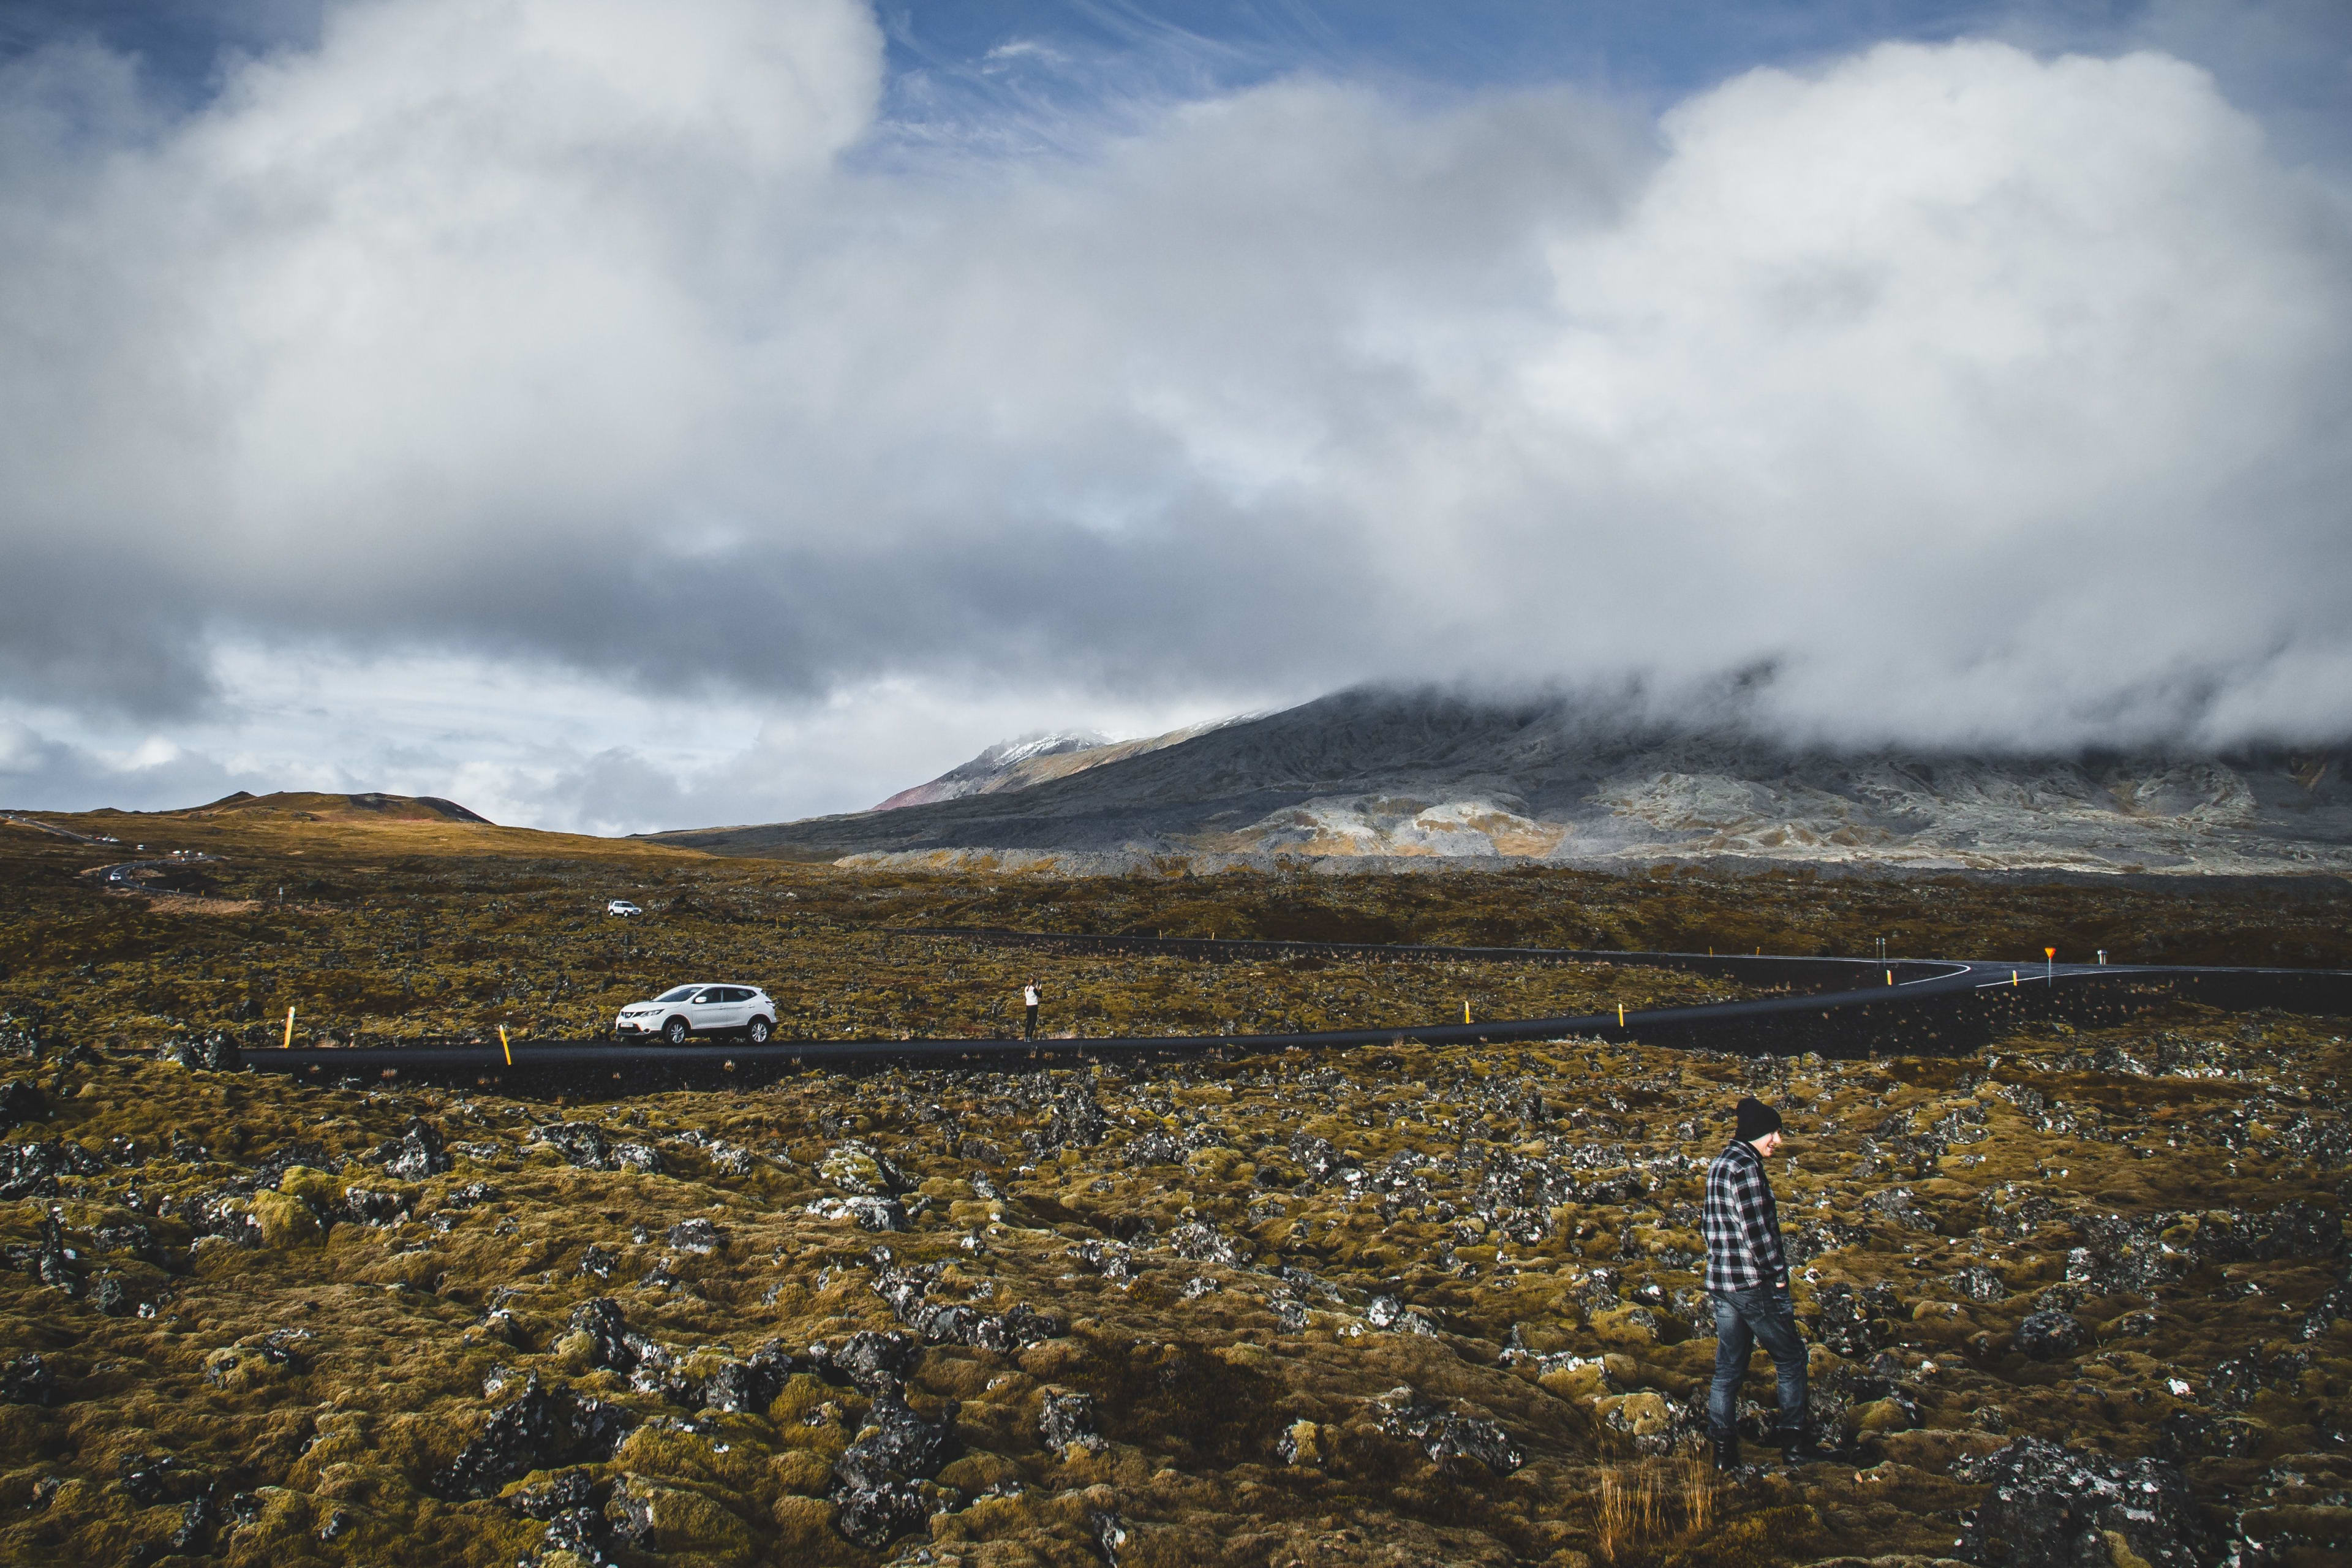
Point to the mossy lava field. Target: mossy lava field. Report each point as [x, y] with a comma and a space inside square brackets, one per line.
[2072, 1298]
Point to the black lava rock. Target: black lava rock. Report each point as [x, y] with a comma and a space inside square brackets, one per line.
[619, 1348]
[873, 1517]
[898, 1444]
[1154, 1149]
[541, 1429]
[1852, 1321]
[1450, 1438]
[751, 1385]
[31, 1170]
[27, 1380]
[563, 1490]
[877, 1496]
[579, 1142]
[597, 1262]
[195, 1526]
[1067, 1416]
[2048, 1336]
[906, 1289]
[2051, 1507]
[420, 1153]
[873, 1361]
[369, 1207]
[19, 1103]
[696, 1235]
[146, 1477]
[1978, 1283]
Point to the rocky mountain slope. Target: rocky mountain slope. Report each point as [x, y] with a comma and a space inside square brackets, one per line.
[1034, 760]
[1406, 777]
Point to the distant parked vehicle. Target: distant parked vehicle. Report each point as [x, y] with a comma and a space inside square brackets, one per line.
[621, 906]
[700, 1009]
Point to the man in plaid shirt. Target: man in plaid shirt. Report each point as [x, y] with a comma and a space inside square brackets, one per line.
[1748, 1274]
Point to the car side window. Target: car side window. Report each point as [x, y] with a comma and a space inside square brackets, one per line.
[711, 996]
[737, 994]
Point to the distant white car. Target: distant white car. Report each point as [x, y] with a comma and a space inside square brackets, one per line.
[700, 1009]
[621, 906]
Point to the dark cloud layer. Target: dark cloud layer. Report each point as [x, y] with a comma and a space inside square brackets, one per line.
[1980, 394]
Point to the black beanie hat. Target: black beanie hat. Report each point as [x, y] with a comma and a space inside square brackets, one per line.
[1755, 1119]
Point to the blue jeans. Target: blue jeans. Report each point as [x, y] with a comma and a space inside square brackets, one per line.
[1744, 1319]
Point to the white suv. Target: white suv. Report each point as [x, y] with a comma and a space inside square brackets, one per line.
[700, 1009]
[621, 906]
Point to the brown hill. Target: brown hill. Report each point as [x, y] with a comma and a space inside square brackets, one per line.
[314, 806]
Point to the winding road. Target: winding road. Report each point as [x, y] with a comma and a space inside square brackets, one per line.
[1837, 1007]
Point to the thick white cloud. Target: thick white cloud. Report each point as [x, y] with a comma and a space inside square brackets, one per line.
[1982, 396]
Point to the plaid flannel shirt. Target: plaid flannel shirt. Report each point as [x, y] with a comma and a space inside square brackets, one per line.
[1741, 1223]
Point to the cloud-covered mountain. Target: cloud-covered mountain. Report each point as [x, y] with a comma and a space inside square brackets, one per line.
[1370, 775]
[1992, 389]
[1034, 759]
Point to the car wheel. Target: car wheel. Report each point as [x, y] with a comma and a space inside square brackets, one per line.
[758, 1031]
[675, 1031]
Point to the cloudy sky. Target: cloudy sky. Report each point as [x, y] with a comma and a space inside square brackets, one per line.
[625, 414]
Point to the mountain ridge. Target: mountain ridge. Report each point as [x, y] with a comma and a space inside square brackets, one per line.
[1372, 775]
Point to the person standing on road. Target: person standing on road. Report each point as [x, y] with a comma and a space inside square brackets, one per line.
[1030, 997]
[1748, 1275]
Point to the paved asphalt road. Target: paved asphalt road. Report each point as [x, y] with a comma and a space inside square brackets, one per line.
[1853, 1007]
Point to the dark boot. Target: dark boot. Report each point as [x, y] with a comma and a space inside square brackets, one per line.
[1798, 1447]
[1727, 1449]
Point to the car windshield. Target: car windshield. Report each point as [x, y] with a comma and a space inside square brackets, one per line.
[679, 994]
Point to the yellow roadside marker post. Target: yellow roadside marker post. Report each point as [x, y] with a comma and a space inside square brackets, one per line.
[505, 1048]
[1621, 1014]
[288, 1043]
[1890, 977]
[1466, 1009]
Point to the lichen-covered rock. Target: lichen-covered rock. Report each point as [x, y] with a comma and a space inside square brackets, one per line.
[1450, 1437]
[1853, 1322]
[1651, 1422]
[881, 1215]
[1065, 1416]
[873, 1517]
[420, 1154]
[749, 1384]
[856, 1169]
[1390, 1315]
[879, 1495]
[870, 1360]
[2051, 1507]
[1202, 1242]
[1976, 1283]
[578, 1141]
[696, 1235]
[1153, 1148]
[642, 1158]
[2049, 1336]
[369, 1205]
[27, 1380]
[542, 1428]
